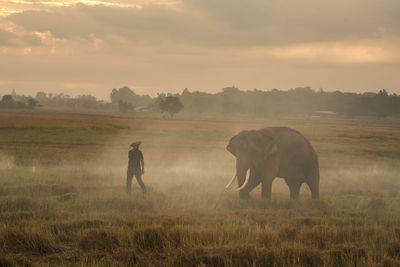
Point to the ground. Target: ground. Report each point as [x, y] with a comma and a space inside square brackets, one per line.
[63, 201]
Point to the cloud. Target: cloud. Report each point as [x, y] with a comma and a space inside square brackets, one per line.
[30, 39]
[354, 52]
[9, 39]
[6, 38]
[337, 44]
[233, 23]
[153, 23]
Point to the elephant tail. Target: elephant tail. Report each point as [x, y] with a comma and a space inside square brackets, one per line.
[316, 169]
[314, 186]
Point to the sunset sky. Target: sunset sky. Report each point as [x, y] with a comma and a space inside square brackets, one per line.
[81, 47]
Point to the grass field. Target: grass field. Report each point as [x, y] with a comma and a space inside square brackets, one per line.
[63, 201]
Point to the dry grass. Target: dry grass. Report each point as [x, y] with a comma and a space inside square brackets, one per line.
[62, 199]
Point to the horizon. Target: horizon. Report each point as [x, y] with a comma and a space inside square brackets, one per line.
[191, 91]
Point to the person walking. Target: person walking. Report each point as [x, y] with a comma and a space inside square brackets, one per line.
[135, 167]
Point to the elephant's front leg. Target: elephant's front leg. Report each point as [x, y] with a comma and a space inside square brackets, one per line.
[266, 187]
[269, 176]
[244, 195]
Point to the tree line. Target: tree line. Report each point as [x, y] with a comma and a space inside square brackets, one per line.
[229, 101]
[298, 101]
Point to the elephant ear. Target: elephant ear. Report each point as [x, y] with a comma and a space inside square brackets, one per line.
[270, 150]
[270, 145]
[231, 147]
[259, 145]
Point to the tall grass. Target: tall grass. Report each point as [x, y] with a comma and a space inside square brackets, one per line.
[63, 201]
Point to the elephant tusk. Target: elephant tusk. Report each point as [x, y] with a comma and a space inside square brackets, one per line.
[245, 182]
[231, 181]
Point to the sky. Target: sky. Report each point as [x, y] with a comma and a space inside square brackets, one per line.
[153, 46]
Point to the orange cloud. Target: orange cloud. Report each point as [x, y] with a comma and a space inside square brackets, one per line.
[335, 52]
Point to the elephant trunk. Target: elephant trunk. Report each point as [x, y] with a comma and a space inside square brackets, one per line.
[244, 172]
[245, 181]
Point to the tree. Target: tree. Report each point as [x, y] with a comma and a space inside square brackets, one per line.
[6, 98]
[382, 93]
[171, 105]
[231, 90]
[122, 94]
[32, 103]
[127, 95]
[124, 107]
[7, 101]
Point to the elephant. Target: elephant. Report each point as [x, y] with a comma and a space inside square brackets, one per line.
[274, 152]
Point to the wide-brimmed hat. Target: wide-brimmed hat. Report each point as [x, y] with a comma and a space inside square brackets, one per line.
[136, 143]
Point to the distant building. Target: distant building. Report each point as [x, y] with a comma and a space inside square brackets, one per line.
[142, 109]
[324, 113]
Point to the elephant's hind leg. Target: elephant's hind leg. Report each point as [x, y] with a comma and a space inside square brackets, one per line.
[294, 187]
[314, 187]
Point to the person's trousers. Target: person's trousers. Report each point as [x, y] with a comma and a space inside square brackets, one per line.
[129, 177]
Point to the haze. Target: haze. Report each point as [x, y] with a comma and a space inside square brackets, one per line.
[80, 47]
